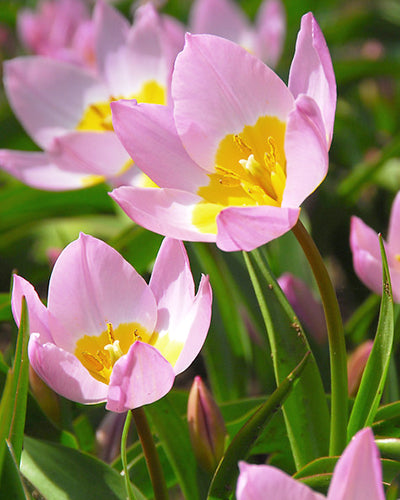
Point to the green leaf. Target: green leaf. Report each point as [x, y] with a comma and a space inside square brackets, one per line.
[305, 411]
[374, 376]
[389, 447]
[13, 402]
[173, 433]
[5, 307]
[11, 479]
[227, 470]
[60, 472]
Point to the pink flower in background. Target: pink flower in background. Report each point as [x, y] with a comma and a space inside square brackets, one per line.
[356, 364]
[225, 18]
[66, 109]
[61, 29]
[367, 261]
[357, 476]
[105, 334]
[309, 311]
[239, 151]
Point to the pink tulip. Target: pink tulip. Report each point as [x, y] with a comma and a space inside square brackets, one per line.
[357, 476]
[367, 261]
[239, 151]
[225, 18]
[105, 334]
[66, 109]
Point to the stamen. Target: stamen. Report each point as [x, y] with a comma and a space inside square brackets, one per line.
[242, 145]
[114, 350]
[110, 333]
[136, 336]
[93, 363]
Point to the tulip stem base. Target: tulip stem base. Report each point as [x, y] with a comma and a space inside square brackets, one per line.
[337, 347]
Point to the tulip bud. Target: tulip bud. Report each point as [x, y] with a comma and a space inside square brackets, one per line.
[356, 364]
[206, 426]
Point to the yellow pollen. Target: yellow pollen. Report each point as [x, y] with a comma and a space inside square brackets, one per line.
[397, 257]
[110, 333]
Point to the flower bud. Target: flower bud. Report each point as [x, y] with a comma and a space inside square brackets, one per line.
[356, 364]
[206, 426]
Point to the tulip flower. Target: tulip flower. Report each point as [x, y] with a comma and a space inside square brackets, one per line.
[66, 109]
[106, 335]
[225, 18]
[59, 29]
[367, 261]
[357, 476]
[239, 151]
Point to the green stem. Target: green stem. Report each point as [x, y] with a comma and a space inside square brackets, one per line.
[337, 347]
[124, 438]
[151, 455]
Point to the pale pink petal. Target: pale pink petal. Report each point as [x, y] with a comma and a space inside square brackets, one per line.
[39, 170]
[64, 373]
[218, 17]
[358, 473]
[363, 237]
[270, 31]
[49, 96]
[312, 73]
[218, 88]
[246, 228]
[164, 211]
[140, 377]
[91, 153]
[149, 135]
[192, 327]
[394, 226]
[257, 482]
[306, 152]
[92, 285]
[38, 314]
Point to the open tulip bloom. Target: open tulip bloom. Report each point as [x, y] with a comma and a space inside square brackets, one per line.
[367, 260]
[105, 334]
[66, 109]
[239, 151]
[357, 476]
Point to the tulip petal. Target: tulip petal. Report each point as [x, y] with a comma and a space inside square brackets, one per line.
[49, 96]
[306, 152]
[246, 228]
[155, 145]
[394, 226]
[312, 73]
[218, 88]
[263, 481]
[140, 377]
[163, 211]
[270, 31]
[39, 170]
[93, 280]
[358, 473]
[64, 373]
[38, 314]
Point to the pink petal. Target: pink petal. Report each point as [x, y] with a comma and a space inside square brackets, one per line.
[140, 377]
[306, 152]
[312, 73]
[92, 285]
[270, 31]
[394, 226]
[358, 473]
[192, 327]
[38, 314]
[213, 98]
[63, 372]
[218, 17]
[39, 170]
[155, 145]
[163, 211]
[257, 482]
[246, 228]
[48, 96]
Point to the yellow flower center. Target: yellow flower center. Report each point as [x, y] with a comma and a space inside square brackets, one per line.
[250, 169]
[97, 118]
[99, 353]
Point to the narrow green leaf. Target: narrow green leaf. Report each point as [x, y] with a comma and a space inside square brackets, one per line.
[13, 402]
[173, 433]
[374, 376]
[11, 481]
[60, 472]
[305, 411]
[389, 448]
[5, 307]
[227, 470]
